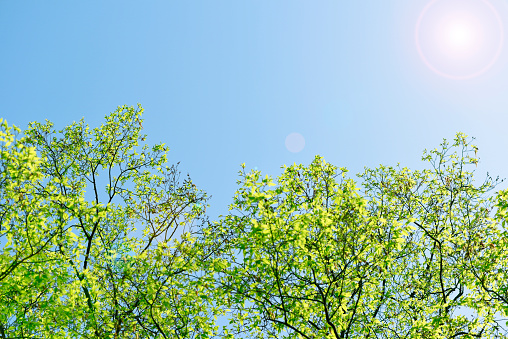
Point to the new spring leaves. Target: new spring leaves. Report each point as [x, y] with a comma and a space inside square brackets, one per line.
[100, 238]
[67, 220]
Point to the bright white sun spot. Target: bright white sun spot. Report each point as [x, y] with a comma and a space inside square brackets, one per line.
[460, 35]
[459, 39]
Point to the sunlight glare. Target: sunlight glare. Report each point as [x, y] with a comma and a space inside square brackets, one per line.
[460, 35]
[459, 39]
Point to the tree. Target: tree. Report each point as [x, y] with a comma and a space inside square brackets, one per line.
[489, 264]
[26, 232]
[100, 239]
[315, 258]
[74, 264]
[453, 225]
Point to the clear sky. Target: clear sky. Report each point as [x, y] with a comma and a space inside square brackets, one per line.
[226, 82]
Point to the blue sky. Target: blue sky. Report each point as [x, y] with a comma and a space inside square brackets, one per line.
[225, 82]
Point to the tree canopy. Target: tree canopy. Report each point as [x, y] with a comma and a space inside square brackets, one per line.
[100, 238]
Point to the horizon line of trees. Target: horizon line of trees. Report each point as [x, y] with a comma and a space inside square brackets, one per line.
[100, 238]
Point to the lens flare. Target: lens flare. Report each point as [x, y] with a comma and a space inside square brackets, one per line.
[295, 142]
[460, 35]
[459, 39]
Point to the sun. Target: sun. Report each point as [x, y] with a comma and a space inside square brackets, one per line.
[459, 39]
[460, 36]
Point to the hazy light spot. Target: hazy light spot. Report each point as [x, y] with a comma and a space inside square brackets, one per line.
[459, 39]
[295, 142]
[460, 35]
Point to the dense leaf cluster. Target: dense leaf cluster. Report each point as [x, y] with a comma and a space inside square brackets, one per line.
[99, 238]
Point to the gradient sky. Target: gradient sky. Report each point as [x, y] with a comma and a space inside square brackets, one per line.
[225, 82]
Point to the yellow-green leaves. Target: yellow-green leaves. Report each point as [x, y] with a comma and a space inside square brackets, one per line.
[303, 241]
[71, 201]
[100, 239]
[315, 258]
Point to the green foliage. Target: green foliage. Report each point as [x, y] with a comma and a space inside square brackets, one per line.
[315, 258]
[101, 239]
[74, 264]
